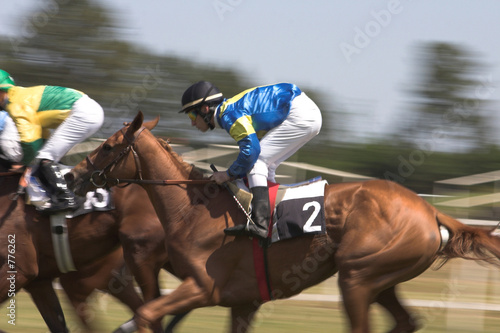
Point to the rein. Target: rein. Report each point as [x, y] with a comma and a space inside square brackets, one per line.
[10, 173]
[103, 178]
[162, 182]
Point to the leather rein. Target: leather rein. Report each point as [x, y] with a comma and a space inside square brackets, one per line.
[99, 178]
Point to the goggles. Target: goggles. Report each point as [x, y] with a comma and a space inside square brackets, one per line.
[192, 115]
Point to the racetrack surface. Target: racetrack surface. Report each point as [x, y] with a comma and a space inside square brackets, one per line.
[462, 296]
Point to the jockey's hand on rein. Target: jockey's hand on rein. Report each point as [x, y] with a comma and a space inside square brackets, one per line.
[220, 177]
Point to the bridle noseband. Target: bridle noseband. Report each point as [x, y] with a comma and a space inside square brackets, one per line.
[99, 177]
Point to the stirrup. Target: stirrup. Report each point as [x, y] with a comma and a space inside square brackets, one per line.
[51, 207]
[243, 230]
[237, 230]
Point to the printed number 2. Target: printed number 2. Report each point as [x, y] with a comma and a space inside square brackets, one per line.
[308, 227]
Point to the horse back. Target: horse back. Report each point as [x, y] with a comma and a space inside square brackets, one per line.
[376, 206]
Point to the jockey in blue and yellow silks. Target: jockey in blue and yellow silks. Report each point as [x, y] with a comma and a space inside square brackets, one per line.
[269, 123]
[248, 116]
[73, 117]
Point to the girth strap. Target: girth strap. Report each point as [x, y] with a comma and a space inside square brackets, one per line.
[60, 241]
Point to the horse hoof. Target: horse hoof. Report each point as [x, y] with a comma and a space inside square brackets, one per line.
[128, 327]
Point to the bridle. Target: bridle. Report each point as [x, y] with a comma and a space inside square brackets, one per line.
[101, 174]
[100, 179]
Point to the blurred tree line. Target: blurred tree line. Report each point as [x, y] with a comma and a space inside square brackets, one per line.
[443, 133]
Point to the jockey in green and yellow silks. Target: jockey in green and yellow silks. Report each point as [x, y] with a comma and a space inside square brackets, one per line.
[72, 116]
[35, 110]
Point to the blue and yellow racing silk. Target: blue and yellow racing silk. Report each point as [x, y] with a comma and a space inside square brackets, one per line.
[248, 116]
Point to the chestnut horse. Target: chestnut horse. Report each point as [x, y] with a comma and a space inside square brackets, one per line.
[378, 234]
[94, 239]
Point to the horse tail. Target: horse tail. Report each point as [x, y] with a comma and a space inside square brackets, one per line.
[469, 242]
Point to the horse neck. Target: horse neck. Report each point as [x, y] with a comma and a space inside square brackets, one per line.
[171, 202]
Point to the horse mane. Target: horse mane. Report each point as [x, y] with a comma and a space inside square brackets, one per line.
[193, 171]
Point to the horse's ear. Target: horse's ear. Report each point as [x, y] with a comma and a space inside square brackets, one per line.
[152, 123]
[135, 124]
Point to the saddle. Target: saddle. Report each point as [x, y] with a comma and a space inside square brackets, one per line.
[97, 200]
[298, 209]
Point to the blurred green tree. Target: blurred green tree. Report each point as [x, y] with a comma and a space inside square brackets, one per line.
[77, 44]
[449, 101]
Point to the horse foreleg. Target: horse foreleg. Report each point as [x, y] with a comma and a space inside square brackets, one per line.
[186, 297]
[146, 277]
[405, 323]
[127, 294]
[78, 286]
[47, 303]
[172, 323]
[242, 316]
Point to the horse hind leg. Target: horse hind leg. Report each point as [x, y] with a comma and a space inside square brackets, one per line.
[356, 300]
[405, 323]
[368, 283]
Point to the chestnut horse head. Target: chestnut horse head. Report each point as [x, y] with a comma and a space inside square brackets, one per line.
[123, 143]
[379, 234]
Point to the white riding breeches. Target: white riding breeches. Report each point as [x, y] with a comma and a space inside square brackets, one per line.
[302, 124]
[85, 119]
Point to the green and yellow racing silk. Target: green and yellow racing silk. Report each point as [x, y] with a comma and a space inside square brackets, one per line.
[37, 109]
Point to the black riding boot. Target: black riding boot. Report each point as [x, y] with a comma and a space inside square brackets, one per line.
[61, 198]
[261, 213]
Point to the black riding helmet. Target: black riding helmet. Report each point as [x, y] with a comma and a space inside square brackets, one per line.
[200, 93]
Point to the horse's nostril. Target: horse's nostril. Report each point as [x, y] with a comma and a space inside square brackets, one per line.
[69, 177]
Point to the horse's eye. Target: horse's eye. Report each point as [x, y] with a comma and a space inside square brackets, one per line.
[107, 147]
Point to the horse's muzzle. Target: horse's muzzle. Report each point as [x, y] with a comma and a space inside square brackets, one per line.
[70, 178]
[74, 183]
